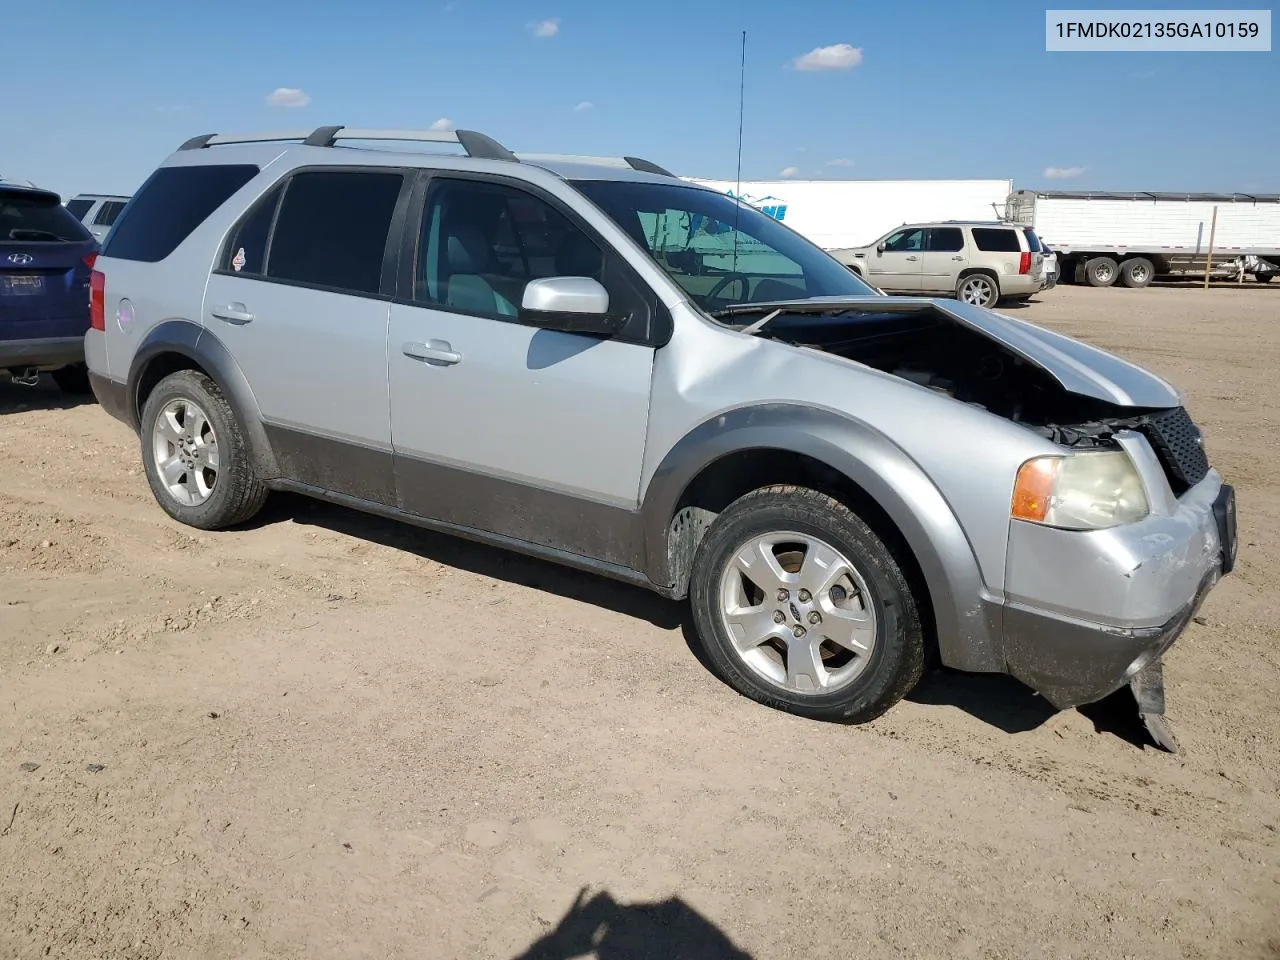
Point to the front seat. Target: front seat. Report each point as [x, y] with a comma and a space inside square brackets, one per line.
[470, 264]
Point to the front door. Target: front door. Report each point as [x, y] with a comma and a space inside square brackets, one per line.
[942, 260]
[498, 424]
[894, 263]
[301, 307]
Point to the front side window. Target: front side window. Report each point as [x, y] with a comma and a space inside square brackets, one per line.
[482, 243]
[108, 212]
[720, 251]
[905, 241]
[331, 230]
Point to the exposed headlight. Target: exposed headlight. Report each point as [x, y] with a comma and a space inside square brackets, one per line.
[1081, 491]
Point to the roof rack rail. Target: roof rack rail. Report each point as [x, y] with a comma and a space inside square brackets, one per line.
[477, 145]
[634, 163]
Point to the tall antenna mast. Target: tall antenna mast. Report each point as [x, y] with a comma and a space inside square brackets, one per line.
[737, 190]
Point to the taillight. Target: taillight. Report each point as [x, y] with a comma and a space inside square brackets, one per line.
[1024, 263]
[90, 260]
[97, 300]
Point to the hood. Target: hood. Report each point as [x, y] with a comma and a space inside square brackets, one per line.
[1077, 367]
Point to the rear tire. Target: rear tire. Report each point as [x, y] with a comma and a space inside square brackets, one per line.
[1101, 272]
[197, 460]
[1263, 277]
[845, 644]
[1137, 273]
[978, 289]
[73, 379]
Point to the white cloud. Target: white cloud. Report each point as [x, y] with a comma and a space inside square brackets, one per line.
[1062, 173]
[583, 107]
[444, 123]
[840, 162]
[788, 171]
[838, 56]
[287, 97]
[545, 28]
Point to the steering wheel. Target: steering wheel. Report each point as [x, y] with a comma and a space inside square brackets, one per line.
[727, 279]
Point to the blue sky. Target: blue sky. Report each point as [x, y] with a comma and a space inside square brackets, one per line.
[93, 100]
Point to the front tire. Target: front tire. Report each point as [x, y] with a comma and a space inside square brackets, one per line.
[801, 607]
[196, 458]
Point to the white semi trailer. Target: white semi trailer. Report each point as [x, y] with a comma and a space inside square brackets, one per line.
[1102, 237]
[852, 213]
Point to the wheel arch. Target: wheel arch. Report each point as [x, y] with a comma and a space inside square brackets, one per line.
[175, 345]
[746, 448]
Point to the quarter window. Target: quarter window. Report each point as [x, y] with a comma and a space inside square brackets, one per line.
[996, 239]
[78, 208]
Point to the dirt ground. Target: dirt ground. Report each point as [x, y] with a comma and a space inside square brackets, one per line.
[330, 736]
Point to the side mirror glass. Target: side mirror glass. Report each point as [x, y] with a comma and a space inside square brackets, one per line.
[569, 304]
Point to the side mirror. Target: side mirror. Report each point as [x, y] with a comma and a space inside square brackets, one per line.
[569, 304]
[879, 249]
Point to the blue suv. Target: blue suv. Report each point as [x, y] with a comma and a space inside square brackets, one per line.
[46, 256]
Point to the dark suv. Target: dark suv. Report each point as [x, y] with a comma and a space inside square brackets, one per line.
[46, 255]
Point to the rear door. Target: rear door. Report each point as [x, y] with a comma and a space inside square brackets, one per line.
[44, 273]
[300, 296]
[943, 259]
[895, 263]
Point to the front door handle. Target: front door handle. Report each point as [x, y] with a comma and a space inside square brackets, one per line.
[438, 353]
[233, 313]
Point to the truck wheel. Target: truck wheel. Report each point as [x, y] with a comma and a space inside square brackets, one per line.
[1137, 273]
[1101, 272]
[196, 458]
[801, 607]
[979, 289]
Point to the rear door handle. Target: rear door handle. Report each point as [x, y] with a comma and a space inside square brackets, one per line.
[913, 258]
[957, 258]
[438, 353]
[232, 313]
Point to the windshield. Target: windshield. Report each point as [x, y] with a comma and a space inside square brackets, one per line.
[721, 252]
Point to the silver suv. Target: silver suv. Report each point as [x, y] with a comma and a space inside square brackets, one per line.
[978, 263]
[599, 364]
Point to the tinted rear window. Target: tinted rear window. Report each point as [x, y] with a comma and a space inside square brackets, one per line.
[78, 208]
[38, 219]
[996, 239]
[332, 228]
[170, 205]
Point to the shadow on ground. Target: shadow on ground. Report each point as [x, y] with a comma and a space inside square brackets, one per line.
[478, 558]
[995, 699]
[605, 929]
[44, 396]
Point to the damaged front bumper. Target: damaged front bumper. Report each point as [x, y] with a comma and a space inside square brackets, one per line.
[1088, 612]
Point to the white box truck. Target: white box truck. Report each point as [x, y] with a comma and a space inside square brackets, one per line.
[853, 213]
[1105, 237]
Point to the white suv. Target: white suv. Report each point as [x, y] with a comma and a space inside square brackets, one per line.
[979, 263]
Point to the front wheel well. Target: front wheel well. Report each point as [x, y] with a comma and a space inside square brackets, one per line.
[737, 474]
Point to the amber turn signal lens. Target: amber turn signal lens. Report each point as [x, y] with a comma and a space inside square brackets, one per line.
[1034, 488]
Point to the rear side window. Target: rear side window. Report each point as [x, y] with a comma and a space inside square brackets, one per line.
[78, 208]
[996, 239]
[170, 205]
[332, 229]
[38, 219]
[946, 239]
[108, 213]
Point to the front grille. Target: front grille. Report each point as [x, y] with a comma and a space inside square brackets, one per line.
[1177, 442]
